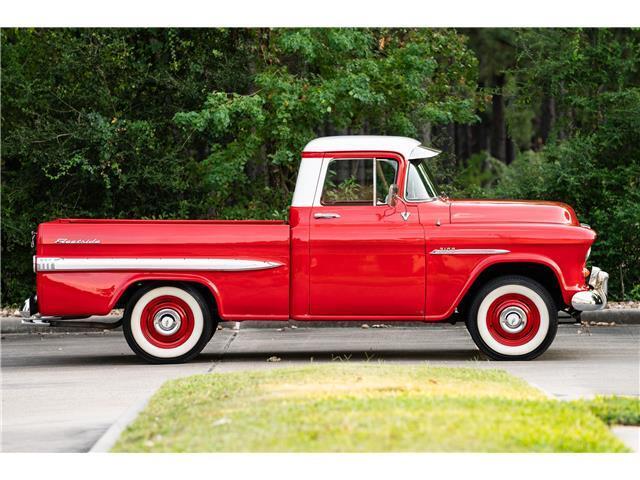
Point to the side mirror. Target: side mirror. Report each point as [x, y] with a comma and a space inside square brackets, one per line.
[392, 197]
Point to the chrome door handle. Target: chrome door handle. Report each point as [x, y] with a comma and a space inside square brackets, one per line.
[326, 215]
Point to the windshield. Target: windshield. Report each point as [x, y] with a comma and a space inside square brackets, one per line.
[420, 184]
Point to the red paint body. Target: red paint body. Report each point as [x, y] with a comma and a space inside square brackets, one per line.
[367, 264]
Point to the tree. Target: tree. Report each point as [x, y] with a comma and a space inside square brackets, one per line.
[88, 129]
[592, 158]
[180, 123]
[202, 123]
[315, 82]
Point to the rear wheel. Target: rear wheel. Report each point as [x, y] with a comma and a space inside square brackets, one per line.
[167, 324]
[512, 318]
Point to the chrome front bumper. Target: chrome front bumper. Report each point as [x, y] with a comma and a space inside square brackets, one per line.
[596, 297]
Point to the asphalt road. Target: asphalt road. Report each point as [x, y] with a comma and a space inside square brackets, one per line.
[61, 392]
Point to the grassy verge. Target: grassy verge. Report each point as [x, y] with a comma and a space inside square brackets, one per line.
[362, 408]
[615, 410]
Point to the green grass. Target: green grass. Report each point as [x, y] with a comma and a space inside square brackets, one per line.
[362, 408]
[615, 410]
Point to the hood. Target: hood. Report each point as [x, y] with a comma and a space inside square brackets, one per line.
[497, 211]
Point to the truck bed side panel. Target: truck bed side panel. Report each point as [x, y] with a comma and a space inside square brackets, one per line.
[241, 294]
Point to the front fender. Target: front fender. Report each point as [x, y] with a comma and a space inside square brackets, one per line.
[450, 279]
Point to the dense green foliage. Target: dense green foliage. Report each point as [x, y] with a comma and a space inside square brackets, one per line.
[593, 160]
[208, 123]
[614, 410]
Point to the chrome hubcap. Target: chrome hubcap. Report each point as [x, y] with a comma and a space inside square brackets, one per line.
[167, 321]
[513, 319]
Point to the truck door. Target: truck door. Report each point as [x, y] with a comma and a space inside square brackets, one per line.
[367, 259]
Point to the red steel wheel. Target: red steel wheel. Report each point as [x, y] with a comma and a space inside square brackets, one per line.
[167, 321]
[512, 317]
[168, 324]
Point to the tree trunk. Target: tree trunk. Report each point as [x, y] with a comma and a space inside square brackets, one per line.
[547, 117]
[481, 134]
[498, 123]
[511, 150]
[426, 134]
[463, 142]
[451, 141]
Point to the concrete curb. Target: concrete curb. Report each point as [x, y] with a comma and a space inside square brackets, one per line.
[109, 438]
[9, 325]
[629, 316]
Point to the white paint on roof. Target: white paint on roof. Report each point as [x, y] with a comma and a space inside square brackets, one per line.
[307, 182]
[407, 147]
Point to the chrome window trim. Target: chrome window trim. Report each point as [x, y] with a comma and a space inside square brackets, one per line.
[326, 161]
[375, 181]
[74, 264]
[468, 251]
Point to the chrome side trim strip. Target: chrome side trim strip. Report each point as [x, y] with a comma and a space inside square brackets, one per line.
[468, 251]
[72, 264]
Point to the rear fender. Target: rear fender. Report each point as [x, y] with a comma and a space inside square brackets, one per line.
[76, 294]
[182, 277]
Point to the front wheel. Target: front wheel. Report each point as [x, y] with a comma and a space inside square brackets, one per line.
[512, 318]
[167, 324]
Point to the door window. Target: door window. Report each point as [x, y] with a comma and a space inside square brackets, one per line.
[356, 181]
[386, 174]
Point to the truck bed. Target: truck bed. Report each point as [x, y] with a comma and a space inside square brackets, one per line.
[119, 253]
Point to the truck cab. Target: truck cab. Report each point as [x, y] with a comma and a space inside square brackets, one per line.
[366, 240]
[370, 237]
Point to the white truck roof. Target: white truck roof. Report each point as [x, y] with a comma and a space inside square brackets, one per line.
[312, 170]
[409, 148]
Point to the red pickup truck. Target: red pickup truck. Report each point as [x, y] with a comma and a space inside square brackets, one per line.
[369, 238]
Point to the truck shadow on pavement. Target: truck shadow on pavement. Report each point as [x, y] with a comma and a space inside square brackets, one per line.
[394, 355]
[256, 357]
[282, 357]
[347, 354]
[98, 356]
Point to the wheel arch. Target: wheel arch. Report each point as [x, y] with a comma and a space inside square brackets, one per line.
[542, 272]
[208, 290]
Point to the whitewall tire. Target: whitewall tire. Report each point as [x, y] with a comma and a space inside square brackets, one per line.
[167, 324]
[512, 318]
